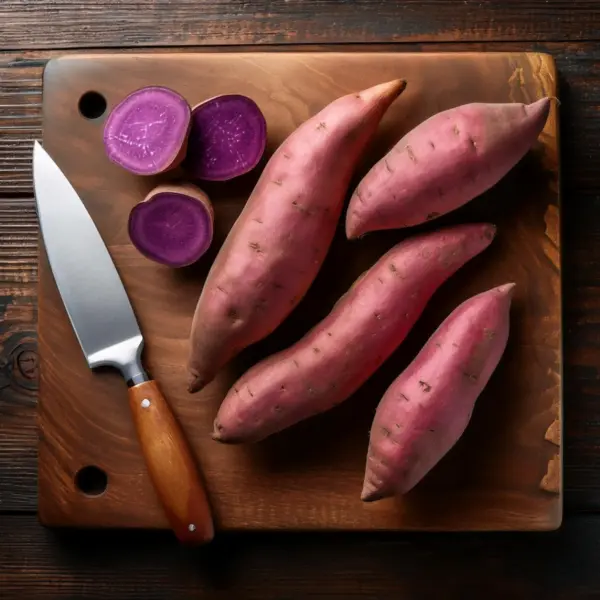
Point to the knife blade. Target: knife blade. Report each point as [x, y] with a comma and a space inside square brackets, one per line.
[108, 332]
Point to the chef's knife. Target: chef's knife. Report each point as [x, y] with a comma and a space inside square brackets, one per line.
[107, 329]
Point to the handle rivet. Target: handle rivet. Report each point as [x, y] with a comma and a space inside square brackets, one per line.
[192, 527]
[145, 403]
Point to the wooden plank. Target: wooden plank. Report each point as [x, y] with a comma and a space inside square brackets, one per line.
[579, 69]
[18, 394]
[20, 120]
[76, 23]
[18, 240]
[37, 563]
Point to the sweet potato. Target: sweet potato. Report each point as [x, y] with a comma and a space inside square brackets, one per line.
[443, 163]
[147, 132]
[227, 139]
[341, 352]
[173, 225]
[278, 243]
[426, 409]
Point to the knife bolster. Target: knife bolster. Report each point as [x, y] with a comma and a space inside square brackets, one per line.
[126, 356]
[138, 378]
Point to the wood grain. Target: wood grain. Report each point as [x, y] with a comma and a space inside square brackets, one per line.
[171, 465]
[20, 120]
[87, 23]
[18, 395]
[282, 483]
[37, 563]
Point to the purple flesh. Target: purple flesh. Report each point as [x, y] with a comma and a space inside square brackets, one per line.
[171, 228]
[227, 138]
[147, 131]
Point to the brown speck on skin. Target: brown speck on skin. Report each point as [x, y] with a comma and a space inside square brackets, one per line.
[233, 314]
[426, 387]
[473, 144]
[455, 344]
[322, 125]
[296, 363]
[359, 195]
[276, 408]
[432, 215]
[432, 145]
[258, 221]
[490, 334]
[310, 390]
[261, 304]
[255, 246]
[277, 285]
[329, 333]
[236, 390]
[392, 267]
[432, 430]
[277, 182]
[404, 397]
[286, 155]
[470, 376]
[377, 315]
[411, 154]
[282, 387]
[438, 344]
[398, 426]
[221, 289]
[299, 207]
[456, 130]
[387, 165]
[386, 432]
[489, 234]
[316, 350]
[250, 392]
[380, 280]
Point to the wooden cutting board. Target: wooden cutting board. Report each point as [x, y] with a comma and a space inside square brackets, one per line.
[505, 472]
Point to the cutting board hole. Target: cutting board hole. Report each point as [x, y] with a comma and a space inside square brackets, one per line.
[90, 480]
[92, 105]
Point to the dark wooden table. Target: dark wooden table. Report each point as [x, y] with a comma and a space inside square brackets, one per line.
[38, 563]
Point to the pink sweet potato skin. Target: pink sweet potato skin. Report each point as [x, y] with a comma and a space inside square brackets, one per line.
[341, 352]
[278, 243]
[426, 409]
[443, 163]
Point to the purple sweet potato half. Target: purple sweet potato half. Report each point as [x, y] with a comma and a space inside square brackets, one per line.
[147, 132]
[173, 225]
[227, 139]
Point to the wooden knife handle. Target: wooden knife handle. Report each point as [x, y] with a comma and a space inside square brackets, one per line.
[171, 465]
